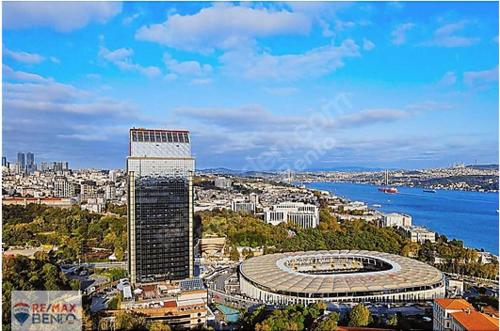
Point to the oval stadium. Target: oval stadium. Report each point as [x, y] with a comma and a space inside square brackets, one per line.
[346, 275]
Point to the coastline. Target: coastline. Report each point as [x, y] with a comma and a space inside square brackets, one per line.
[437, 212]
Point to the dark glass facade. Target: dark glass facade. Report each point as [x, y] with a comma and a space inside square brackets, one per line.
[162, 228]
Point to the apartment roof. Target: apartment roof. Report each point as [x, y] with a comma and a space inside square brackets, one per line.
[475, 321]
[453, 304]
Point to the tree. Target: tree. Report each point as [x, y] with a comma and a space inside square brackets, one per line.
[51, 275]
[128, 321]
[330, 323]
[234, 255]
[359, 316]
[158, 326]
[392, 320]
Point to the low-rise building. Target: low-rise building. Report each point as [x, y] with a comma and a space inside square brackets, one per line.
[242, 206]
[396, 220]
[304, 215]
[472, 320]
[442, 309]
[420, 234]
[223, 183]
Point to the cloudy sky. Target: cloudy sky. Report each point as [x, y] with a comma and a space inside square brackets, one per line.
[259, 85]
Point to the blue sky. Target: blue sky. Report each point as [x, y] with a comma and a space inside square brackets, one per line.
[272, 85]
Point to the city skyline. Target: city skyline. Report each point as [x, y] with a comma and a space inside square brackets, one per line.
[268, 90]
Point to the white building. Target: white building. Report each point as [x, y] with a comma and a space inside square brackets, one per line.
[304, 215]
[397, 220]
[443, 308]
[420, 235]
[242, 206]
[222, 182]
[63, 188]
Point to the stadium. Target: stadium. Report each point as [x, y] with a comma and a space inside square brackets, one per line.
[349, 276]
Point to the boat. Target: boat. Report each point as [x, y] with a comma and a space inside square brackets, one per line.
[386, 188]
[376, 206]
[430, 191]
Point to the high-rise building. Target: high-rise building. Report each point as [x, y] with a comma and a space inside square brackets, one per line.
[160, 172]
[21, 162]
[30, 162]
[4, 161]
[88, 190]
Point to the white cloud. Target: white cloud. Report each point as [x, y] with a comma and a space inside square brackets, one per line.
[186, 67]
[11, 74]
[448, 79]
[282, 91]
[368, 45]
[122, 58]
[201, 81]
[446, 36]
[60, 16]
[476, 78]
[314, 63]
[129, 19]
[223, 26]
[23, 57]
[399, 34]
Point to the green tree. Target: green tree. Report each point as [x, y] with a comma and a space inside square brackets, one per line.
[329, 323]
[128, 321]
[392, 320]
[158, 326]
[359, 316]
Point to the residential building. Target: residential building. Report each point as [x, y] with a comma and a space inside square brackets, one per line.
[441, 310]
[304, 215]
[420, 234]
[396, 220]
[63, 188]
[160, 172]
[223, 183]
[472, 320]
[242, 206]
[88, 190]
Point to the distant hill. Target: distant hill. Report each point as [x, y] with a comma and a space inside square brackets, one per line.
[483, 166]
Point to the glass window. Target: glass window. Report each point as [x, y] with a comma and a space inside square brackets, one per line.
[134, 136]
[169, 135]
[186, 138]
[176, 138]
[158, 137]
[139, 136]
[146, 136]
[181, 137]
[152, 136]
[164, 137]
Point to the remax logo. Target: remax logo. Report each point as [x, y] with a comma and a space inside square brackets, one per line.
[21, 312]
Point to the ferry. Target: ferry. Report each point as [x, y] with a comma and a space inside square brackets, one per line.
[430, 191]
[386, 188]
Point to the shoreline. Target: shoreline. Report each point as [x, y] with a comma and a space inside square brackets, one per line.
[377, 210]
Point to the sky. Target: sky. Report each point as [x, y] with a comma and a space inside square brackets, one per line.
[261, 86]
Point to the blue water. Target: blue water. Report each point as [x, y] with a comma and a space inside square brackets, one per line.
[232, 315]
[468, 216]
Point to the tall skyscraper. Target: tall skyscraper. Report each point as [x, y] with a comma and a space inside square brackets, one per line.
[160, 172]
[30, 162]
[21, 162]
[4, 161]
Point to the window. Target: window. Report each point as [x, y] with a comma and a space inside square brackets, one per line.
[146, 136]
[186, 138]
[163, 137]
[134, 136]
[176, 138]
[139, 136]
[181, 137]
[158, 137]
[169, 136]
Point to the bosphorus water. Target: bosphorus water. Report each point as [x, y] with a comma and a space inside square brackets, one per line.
[468, 216]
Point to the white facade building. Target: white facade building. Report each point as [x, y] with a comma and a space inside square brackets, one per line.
[420, 235]
[223, 183]
[397, 220]
[304, 215]
[242, 206]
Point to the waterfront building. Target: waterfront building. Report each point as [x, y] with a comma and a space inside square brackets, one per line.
[242, 206]
[223, 183]
[396, 220]
[160, 172]
[304, 215]
[338, 276]
[420, 234]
